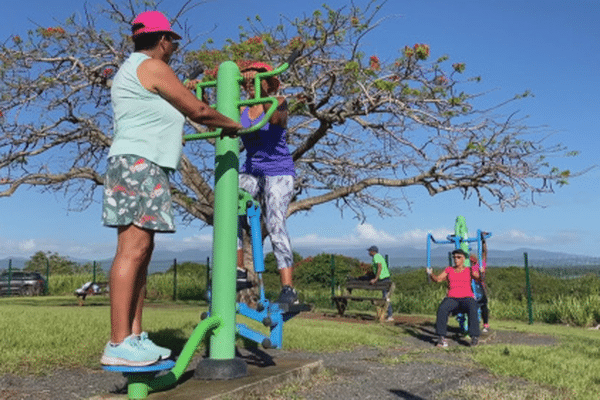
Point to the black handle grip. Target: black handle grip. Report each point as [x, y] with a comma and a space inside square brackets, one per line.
[293, 56]
[195, 72]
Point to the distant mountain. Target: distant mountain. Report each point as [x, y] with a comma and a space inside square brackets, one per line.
[16, 262]
[413, 257]
[399, 257]
[162, 260]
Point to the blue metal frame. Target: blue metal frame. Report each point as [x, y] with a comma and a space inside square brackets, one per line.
[453, 239]
[271, 315]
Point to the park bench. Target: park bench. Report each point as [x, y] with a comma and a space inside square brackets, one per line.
[97, 288]
[381, 303]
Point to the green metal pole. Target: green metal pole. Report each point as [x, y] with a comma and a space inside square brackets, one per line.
[222, 343]
[175, 279]
[94, 272]
[9, 276]
[528, 286]
[139, 388]
[47, 288]
[332, 278]
[208, 274]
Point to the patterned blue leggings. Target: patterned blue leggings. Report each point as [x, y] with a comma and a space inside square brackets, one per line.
[274, 194]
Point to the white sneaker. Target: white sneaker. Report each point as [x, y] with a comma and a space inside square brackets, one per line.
[129, 353]
[150, 345]
[390, 319]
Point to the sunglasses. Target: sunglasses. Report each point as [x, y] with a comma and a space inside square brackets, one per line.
[174, 43]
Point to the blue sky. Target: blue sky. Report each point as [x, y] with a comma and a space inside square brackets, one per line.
[550, 47]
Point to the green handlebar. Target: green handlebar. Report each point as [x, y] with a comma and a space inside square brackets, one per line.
[253, 128]
[257, 100]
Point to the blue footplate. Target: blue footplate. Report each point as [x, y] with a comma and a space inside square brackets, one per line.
[159, 366]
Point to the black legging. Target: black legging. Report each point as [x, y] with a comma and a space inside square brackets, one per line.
[449, 305]
[483, 306]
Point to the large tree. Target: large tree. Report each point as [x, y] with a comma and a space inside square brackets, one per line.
[359, 126]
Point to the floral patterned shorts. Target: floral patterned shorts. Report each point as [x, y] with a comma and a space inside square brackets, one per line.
[137, 191]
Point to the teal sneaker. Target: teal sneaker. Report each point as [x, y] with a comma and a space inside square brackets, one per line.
[130, 353]
[150, 345]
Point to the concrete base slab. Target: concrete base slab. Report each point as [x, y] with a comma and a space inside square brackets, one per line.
[264, 374]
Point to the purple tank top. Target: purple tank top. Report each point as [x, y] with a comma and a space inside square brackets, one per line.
[267, 153]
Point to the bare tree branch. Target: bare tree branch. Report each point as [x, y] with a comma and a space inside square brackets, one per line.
[360, 129]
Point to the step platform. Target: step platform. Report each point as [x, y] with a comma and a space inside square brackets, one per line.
[149, 369]
[139, 378]
[293, 308]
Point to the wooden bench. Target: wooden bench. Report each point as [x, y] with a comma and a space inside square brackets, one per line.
[81, 295]
[381, 303]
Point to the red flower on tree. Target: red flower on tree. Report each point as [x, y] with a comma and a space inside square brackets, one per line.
[459, 67]
[375, 65]
[421, 51]
[254, 40]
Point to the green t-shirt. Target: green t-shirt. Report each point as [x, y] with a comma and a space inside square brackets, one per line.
[378, 259]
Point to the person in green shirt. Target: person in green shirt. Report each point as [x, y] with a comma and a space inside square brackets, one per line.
[382, 274]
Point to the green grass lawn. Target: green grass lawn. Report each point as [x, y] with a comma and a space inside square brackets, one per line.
[41, 334]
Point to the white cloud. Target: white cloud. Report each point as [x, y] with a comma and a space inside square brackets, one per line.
[26, 246]
[361, 236]
[172, 243]
[519, 238]
[367, 235]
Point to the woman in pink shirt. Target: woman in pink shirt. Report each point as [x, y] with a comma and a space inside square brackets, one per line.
[460, 297]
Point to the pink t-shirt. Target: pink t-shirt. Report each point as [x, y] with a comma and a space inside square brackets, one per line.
[459, 283]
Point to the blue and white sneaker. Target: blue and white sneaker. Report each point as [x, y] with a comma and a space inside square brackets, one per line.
[288, 295]
[129, 352]
[150, 345]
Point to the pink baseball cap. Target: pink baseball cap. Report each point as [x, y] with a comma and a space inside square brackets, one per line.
[272, 81]
[153, 21]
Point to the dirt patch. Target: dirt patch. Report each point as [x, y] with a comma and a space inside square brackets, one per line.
[414, 370]
[363, 318]
[422, 329]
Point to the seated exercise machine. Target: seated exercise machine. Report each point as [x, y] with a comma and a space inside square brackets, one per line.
[461, 240]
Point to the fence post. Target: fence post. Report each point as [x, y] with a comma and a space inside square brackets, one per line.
[94, 271]
[9, 276]
[47, 285]
[208, 275]
[528, 286]
[174, 279]
[332, 277]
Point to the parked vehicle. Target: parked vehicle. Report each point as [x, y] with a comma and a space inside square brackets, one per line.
[23, 283]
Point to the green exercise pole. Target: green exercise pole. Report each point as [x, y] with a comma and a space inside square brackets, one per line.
[528, 287]
[461, 231]
[222, 343]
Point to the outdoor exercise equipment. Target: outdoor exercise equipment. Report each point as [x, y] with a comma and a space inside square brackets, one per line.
[220, 325]
[461, 240]
[271, 315]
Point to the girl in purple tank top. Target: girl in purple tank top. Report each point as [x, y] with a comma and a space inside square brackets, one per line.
[268, 175]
